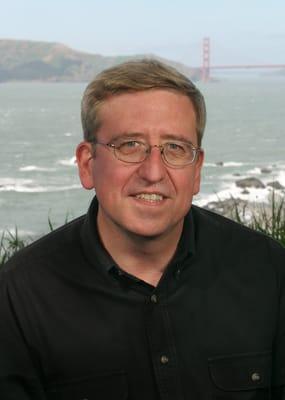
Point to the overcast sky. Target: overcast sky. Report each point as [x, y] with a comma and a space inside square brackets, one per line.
[241, 31]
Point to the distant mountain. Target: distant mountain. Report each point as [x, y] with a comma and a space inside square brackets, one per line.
[28, 60]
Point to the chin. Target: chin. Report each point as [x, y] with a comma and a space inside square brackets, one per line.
[151, 230]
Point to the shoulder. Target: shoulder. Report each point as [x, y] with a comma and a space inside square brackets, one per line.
[230, 237]
[57, 246]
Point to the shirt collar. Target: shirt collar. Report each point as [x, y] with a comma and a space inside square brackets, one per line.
[93, 248]
[98, 256]
[186, 245]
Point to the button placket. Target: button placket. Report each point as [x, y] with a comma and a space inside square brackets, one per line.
[161, 347]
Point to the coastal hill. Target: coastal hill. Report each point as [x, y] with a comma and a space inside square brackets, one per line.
[23, 60]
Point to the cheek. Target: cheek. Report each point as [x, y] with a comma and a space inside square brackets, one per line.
[110, 177]
[185, 186]
[183, 180]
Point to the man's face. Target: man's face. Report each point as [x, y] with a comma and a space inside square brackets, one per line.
[151, 116]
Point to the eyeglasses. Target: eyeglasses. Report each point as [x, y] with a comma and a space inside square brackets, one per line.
[175, 154]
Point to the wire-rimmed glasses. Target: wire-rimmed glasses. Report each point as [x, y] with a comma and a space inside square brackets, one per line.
[176, 153]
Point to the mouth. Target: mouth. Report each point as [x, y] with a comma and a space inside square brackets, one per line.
[153, 198]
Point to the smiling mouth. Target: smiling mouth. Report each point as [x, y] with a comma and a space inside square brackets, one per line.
[151, 197]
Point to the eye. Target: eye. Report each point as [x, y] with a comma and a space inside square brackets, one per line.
[130, 143]
[176, 147]
[129, 146]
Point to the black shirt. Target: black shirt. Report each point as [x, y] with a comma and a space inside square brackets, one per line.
[75, 326]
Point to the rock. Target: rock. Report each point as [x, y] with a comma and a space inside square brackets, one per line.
[265, 170]
[245, 191]
[276, 185]
[226, 207]
[220, 163]
[236, 174]
[250, 182]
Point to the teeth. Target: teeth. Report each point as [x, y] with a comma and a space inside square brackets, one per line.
[149, 196]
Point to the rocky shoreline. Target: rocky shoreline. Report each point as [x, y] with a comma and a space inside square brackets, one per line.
[245, 209]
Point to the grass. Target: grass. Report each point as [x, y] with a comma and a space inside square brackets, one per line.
[269, 220]
[10, 243]
[266, 219]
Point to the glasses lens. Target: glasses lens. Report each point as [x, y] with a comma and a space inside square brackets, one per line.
[179, 153]
[174, 153]
[131, 151]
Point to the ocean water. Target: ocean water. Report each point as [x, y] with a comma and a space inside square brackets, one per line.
[40, 127]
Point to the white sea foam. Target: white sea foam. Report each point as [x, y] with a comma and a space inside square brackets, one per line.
[210, 165]
[68, 134]
[224, 164]
[29, 186]
[44, 189]
[29, 168]
[232, 191]
[70, 162]
[281, 178]
[226, 187]
[4, 182]
[254, 171]
[233, 164]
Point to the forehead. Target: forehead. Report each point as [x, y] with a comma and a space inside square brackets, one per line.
[151, 113]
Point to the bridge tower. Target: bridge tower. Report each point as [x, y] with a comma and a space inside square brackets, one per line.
[206, 60]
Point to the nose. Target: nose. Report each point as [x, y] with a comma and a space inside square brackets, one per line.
[153, 169]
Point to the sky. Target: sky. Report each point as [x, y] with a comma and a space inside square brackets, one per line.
[240, 31]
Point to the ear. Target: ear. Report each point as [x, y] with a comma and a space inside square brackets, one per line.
[197, 173]
[84, 158]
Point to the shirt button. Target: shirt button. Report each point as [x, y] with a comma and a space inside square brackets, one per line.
[255, 377]
[164, 359]
[153, 298]
[177, 274]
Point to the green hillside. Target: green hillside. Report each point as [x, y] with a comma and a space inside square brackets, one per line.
[28, 60]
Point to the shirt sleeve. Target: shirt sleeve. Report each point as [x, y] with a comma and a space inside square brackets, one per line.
[278, 379]
[18, 375]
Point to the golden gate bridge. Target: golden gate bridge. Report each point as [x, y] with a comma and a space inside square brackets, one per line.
[207, 67]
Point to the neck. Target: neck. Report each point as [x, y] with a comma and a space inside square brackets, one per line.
[144, 257]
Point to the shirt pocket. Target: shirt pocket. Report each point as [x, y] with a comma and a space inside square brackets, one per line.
[109, 386]
[241, 376]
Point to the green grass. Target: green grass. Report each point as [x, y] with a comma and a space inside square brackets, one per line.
[266, 219]
[10, 243]
[269, 220]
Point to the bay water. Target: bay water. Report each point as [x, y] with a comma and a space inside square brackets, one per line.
[40, 128]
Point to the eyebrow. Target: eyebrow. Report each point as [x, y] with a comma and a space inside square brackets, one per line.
[140, 135]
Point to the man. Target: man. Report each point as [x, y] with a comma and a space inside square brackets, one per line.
[146, 297]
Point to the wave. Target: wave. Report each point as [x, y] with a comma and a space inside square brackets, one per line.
[224, 164]
[28, 186]
[251, 195]
[231, 190]
[254, 171]
[281, 178]
[210, 165]
[70, 162]
[29, 168]
[233, 164]
[22, 233]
